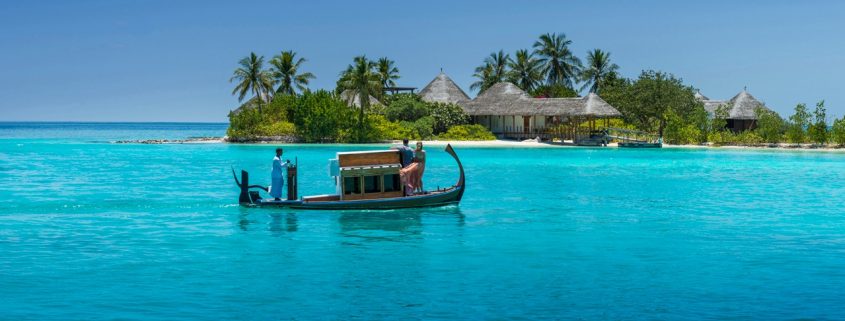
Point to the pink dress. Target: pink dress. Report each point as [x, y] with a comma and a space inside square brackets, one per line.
[420, 169]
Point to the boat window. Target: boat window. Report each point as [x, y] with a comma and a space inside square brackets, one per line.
[352, 185]
[391, 183]
[372, 184]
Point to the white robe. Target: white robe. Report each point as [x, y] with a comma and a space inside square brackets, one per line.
[277, 177]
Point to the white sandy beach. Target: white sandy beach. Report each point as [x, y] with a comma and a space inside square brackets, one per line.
[512, 144]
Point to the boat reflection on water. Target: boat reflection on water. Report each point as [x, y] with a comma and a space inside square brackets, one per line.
[282, 223]
[402, 225]
[394, 226]
[276, 222]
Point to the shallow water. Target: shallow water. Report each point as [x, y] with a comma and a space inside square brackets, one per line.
[91, 230]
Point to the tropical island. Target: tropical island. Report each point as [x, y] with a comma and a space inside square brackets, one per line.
[546, 94]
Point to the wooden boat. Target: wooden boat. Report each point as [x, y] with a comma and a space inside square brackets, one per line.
[364, 180]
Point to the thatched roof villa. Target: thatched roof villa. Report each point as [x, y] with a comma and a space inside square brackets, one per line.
[742, 110]
[508, 112]
[443, 90]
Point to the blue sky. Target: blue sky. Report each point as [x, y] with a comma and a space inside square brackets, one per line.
[172, 60]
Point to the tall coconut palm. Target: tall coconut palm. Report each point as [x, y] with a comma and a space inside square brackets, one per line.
[525, 71]
[285, 68]
[387, 71]
[561, 67]
[251, 76]
[485, 79]
[597, 70]
[361, 77]
[494, 70]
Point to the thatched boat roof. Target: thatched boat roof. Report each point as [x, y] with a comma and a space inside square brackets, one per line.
[443, 90]
[507, 99]
[741, 106]
[353, 99]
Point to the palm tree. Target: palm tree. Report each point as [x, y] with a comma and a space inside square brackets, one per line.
[483, 73]
[494, 70]
[284, 68]
[598, 69]
[361, 77]
[561, 67]
[251, 76]
[526, 71]
[387, 71]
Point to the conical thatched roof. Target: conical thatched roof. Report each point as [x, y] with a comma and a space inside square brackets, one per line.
[443, 90]
[699, 96]
[741, 106]
[507, 99]
[744, 106]
[353, 99]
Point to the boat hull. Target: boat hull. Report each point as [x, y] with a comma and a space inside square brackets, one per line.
[428, 200]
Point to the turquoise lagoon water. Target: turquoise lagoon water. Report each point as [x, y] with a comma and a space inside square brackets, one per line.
[92, 230]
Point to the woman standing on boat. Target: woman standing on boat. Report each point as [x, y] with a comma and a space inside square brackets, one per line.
[277, 177]
[413, 173]
[419, 158]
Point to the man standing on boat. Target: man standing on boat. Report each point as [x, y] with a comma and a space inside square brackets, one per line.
[406, 153]
[406, 156]
[277, 176]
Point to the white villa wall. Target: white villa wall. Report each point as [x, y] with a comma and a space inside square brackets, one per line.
[500, 124]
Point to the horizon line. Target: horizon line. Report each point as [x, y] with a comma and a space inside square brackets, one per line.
[110, 122]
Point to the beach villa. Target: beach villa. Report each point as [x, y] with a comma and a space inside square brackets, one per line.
[741, 109]
[509, 112]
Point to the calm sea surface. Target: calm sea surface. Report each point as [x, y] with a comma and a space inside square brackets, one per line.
[91, 230]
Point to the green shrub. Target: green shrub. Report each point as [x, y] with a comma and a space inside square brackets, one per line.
[322, 117]
[748, 137]
[250, 123]
[406, 108]
[681, 131]
[380, 129]
[798, 122]
[770, 126]
[721, 137]
[467, 132]
[837, 132]
[817, 131]
[446, 116]
[683, 135]
[280, 128]
[423, 128]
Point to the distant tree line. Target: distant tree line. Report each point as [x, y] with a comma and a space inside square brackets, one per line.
[654, 101]
[283, 107]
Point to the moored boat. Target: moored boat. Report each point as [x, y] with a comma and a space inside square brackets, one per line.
[363, 180]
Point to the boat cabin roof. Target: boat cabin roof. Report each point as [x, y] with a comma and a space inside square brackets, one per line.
[369, 158]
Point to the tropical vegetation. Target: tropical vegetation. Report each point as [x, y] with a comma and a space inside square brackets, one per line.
[560, 65]
[294, 113]
[281, 105]
[599, 69]
[285, 72]
[251, 77]
[492, 71]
